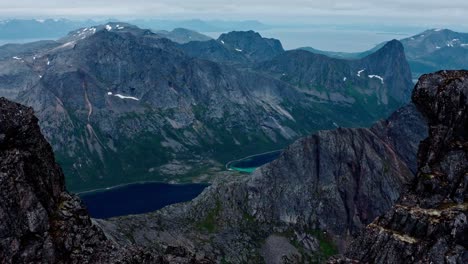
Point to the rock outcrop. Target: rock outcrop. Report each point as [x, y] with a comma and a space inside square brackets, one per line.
[303, 206]
[429, 223]
[40, 221]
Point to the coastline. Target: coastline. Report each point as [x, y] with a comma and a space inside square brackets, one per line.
[227, 166]
[103, 189]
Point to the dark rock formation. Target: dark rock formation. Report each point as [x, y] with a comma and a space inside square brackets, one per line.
[335, 182]
[429, 223]
[40, 221]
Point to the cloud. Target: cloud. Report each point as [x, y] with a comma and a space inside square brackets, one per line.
[422, 11]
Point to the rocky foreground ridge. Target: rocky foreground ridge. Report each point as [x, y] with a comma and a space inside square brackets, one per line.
[302, 207]
[40, 221]
[429, 224]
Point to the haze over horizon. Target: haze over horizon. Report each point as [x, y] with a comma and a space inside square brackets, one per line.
[414, 12]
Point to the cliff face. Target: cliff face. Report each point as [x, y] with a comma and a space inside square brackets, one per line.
[429, 223]
[339, 180]
[381, 80]
[335, 182]
[40, 221]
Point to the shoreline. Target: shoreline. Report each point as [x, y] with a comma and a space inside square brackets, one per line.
[229, 163]
[103, 189]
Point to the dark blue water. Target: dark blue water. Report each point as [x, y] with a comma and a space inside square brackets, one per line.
[257, 160]
[138, 198]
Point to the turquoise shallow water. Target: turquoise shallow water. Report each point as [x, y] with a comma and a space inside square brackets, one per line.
[250, 163]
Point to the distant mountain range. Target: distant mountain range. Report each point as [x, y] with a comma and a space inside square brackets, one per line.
[182, 35]
[23, 29]
[123, 104]
[429, 51]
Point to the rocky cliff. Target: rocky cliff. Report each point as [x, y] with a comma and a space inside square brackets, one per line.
[40, 221]
[303, 206]
[382, 78]
[429, 223]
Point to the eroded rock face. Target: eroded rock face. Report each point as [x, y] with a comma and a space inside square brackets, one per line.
[335, 181]
[40, 221]
[429, 223]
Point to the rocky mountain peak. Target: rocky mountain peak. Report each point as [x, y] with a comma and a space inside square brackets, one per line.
[429, 223]
[443, 98]
[41, 221]
[252, 44]
[390, 63]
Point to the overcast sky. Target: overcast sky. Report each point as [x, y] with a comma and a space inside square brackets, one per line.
[420, 12]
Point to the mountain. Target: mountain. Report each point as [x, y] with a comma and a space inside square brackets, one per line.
[255, 47]
[10, 50]
[288, 211]
[237, 47]
[121, 104]
[182, 35]
[41, 221]
[304, 206]
[383, 75]
[428, 223]
[437, 49]
[429, 51]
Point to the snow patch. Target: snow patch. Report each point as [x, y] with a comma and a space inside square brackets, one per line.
[239, 50]
[40, 20]
[222, 41]
[123, 96]
[378, 77]
[344, 79]
[359, 72]
[48, 62]
[437, 29]
[119, 27]
[464, 44]
[17, 58]
[108, 28]
[437, 47]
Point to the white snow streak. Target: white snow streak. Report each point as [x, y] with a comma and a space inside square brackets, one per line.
[123, 96]
[378, 77]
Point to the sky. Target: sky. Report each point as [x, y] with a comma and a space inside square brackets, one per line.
[414, 12]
